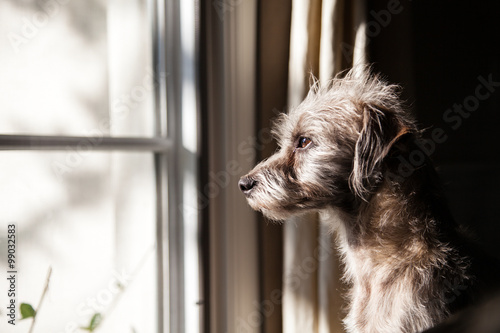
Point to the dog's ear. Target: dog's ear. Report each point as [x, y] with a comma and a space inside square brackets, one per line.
[380, 131]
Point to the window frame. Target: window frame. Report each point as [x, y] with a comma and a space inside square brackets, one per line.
[165, 145]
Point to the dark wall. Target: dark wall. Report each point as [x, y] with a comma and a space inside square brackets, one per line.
[446, 54]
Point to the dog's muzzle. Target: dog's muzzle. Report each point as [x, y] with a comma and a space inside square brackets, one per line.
[247, 184]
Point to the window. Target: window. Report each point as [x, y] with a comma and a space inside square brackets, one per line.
[98, 144]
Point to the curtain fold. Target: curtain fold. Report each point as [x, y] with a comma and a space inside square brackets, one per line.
[326, 36]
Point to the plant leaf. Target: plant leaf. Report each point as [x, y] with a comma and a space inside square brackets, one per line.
[94, 322]
[27, 311]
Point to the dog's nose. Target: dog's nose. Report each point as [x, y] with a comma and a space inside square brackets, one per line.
[246, 184]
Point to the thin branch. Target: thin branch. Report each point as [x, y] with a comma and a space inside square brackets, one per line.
[41, 300]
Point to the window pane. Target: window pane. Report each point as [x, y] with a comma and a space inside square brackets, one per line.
[91, 218]
[76, 68]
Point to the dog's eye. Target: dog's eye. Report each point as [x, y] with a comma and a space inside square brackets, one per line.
[303, 142]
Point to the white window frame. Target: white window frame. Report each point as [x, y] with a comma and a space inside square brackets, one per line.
[171, 160]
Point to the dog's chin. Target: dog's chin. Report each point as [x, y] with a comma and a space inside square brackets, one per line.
[271, 211]
[275, 212]
[277, 215]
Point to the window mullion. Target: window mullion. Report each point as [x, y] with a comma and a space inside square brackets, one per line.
[83, 143]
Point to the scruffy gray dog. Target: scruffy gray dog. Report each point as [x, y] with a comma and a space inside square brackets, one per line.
[340, 153]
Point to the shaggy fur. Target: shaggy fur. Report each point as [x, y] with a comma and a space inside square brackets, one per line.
[340, 153]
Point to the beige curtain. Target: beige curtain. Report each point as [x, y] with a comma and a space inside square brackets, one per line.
[327, 36]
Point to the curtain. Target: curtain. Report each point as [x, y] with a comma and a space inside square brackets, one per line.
[326, 36]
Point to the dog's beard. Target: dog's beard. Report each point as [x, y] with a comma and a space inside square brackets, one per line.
[277, 214]
[270, 202]
[278, 201]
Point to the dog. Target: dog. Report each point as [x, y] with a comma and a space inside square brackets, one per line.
[408, 263]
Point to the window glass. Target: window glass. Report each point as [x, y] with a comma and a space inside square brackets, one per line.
[80, 68]
[93, 223]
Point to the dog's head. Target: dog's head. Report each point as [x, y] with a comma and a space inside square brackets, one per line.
[331, 148]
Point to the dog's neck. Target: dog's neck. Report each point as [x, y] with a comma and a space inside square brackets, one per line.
[405, 223]
[394, 252]
[392, 226]
[406, 215]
